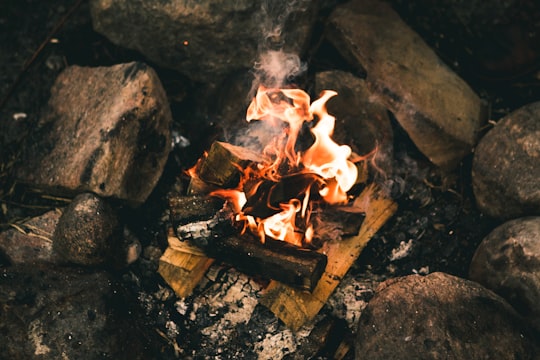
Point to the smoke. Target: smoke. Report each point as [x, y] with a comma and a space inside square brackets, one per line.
[273, 19]
[276, 67]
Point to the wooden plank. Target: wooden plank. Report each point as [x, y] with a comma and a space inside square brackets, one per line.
[295, 307]
[182, 266]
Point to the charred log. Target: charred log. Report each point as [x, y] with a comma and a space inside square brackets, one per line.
[267, 197]
[333, 224]
[187, 209]
[277, 260]
[207, 223]
[199, 218]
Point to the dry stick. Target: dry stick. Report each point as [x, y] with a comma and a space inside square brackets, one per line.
[38, 51]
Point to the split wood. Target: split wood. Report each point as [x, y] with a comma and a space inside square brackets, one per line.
[296, 308]
[183, 265]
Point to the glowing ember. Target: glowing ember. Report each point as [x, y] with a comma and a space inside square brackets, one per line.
[323, 171]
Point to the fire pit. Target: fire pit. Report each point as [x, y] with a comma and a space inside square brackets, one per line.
[223, 182]
[276, 200]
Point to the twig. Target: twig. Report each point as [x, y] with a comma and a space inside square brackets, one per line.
[22, 231]
[38, 51]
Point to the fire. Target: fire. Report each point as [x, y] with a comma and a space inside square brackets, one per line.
[323, 171]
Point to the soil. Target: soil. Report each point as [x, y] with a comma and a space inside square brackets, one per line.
[437, 226]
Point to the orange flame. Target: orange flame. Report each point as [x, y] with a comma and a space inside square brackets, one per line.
[290, 108]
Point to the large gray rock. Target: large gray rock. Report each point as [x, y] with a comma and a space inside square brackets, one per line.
[361, 122]
[106, 130]
[508, 262]
[440, 316]
[48, 313]
[506, 166]
[438, 109]
[207, 39]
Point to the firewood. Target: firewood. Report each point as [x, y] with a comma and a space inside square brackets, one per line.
[277, 260]
[199, 187]
[333, 224]
[224, 162]
[266, 200]
[201, 223]
[295, 307]
[182, 266]
[187, 209]
[199, 218]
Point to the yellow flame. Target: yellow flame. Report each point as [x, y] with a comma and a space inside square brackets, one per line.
[325, 158]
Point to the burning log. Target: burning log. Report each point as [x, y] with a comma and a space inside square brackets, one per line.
[268, 197]
[202, 223]
[294, 307]
[223, 163]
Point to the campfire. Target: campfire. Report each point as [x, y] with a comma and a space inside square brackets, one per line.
[276, 196]
[286, 210]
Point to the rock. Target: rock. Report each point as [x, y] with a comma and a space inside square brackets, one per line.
[506, 166]
[436, 108]
[205, 40]
[106, 130]
[52, 313]
[499, 43]
[30, 241]
[508, 262]
[88, 232]
[361, 122]
[440, 316]
[232, 100]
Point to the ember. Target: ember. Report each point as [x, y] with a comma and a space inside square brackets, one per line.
[276, 195]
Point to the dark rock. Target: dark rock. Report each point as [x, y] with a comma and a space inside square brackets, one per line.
[361, 122]
[51, 313]
[506, 166]
[205, 40]
[31, 241]
[438, 109]
[508, 262]
[440, 316]
[230, 110]
[88, 233]
[498, 34]
[106, 130]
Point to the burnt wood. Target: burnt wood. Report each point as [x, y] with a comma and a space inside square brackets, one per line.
[294, 307]
[207, 223]
[277, 260]
[199, 218]
[187, 209]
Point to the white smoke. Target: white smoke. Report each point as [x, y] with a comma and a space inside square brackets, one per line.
[273, 18]
[276, 67]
